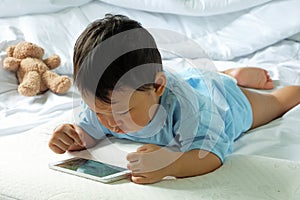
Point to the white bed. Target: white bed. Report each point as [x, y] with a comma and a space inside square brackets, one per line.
[265, 163]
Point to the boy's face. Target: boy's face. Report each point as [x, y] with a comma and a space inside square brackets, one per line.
[129, 111]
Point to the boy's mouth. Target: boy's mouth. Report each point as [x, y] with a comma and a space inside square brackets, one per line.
[118, 130]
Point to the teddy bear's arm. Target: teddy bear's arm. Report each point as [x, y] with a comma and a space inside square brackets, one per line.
[11, 64]
[10, 51]
[52, 62]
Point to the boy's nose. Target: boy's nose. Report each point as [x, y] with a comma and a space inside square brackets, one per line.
[113, 123]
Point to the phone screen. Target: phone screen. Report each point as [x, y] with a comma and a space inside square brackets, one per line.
[90, 167]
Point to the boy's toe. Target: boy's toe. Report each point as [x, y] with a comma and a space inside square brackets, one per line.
[269, 85]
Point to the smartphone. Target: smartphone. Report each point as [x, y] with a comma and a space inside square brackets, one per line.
[91, 169]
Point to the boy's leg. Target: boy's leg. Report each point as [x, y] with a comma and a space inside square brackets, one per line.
[251, 77]
[266, 107]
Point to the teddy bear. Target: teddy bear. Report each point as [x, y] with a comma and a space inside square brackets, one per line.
[33, 72]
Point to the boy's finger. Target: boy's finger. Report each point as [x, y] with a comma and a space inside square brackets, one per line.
[66, 139]
[134, 167]
[73, 134]
[141, 179]
[132, 157]
[75, 147]
[57, 147]
[142, 149]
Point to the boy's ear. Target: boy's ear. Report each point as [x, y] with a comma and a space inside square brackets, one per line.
[160, 83]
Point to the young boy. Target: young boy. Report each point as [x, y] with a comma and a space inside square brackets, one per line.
[189, 120]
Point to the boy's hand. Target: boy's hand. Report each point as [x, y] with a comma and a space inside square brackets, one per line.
[65, 138]
[150, 163]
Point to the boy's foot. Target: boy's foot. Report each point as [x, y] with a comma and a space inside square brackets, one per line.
[251, 77]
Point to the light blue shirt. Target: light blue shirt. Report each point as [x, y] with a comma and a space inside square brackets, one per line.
[198, 110]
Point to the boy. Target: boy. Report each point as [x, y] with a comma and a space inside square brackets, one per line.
[188, 120]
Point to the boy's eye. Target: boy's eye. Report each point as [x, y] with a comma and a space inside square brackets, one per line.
[124, 113]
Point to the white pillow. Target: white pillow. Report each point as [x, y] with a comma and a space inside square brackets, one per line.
[188, 7]
[16, 7]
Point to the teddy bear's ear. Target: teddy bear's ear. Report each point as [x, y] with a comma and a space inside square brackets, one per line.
[10, 51]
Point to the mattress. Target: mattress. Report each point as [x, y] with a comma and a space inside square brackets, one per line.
[214, 34]
[25, 175]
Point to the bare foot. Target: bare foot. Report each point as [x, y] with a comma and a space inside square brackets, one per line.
[251, 77]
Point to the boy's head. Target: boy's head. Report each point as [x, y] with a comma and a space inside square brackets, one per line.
[114, 49]
[116, 55]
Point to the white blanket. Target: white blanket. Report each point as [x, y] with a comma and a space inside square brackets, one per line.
[234, 33]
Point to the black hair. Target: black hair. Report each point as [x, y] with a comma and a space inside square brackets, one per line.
[110, 49]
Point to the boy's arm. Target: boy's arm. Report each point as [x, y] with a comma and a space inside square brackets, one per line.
[195, 162]
[152, 163]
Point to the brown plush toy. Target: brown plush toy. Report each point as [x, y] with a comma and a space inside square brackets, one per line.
[33, 72]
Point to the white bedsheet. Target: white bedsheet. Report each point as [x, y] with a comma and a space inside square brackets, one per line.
[253, 36]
